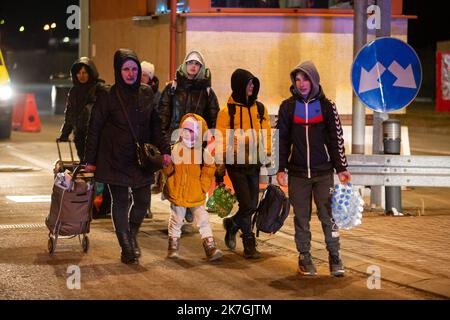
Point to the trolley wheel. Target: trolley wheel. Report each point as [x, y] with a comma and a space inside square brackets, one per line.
[85, 244]
[51, 245]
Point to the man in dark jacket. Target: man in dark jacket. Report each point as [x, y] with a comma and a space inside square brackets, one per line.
[111, 147]
[311, 146]
[190, 92]
[80, 100]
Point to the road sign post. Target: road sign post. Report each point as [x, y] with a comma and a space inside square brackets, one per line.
[386, 76]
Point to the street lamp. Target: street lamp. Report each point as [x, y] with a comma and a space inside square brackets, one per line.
[53, 26]
[46, 27]
[21, 29]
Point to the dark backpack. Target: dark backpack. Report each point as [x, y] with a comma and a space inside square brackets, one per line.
[273, 209]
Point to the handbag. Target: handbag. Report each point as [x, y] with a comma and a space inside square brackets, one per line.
[148, 156]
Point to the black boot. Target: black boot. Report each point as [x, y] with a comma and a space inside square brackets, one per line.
[231, 231]
[127, 255]
[134, 230]
[249, 242]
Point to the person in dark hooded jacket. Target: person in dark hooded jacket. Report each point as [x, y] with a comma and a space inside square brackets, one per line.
[80, 100]
[244, 176]
[111, 148]
[311, 148]
[79, 106]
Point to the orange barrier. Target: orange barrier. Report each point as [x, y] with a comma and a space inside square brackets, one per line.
[30, 120]
[17, 113]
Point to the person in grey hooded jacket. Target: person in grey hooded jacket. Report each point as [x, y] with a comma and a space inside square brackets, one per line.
[311, 148]
[190, 92]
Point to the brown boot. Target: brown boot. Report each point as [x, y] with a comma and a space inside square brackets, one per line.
[174, 245]
[249, 242]
[211, 250]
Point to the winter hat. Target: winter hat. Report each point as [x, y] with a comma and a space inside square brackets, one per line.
[311, 72]
[239, 80]
[148, 68]
[120, 57]
[192, 124]
[194, 56]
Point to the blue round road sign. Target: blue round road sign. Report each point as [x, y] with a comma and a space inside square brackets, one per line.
[386, 74]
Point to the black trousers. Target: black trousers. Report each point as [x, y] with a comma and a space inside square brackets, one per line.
[122, 214]
[246, 188]
[301, 191]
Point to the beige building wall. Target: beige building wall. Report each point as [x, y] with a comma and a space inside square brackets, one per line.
[271, 55]
[149, 39]
[269, 47]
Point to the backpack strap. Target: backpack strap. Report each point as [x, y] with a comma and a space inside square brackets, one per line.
[231, 113]
[173, 87]
[260, 112]
[257, 211]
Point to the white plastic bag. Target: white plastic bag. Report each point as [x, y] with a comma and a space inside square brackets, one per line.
[347, 206]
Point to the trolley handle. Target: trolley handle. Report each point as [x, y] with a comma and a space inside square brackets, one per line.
[58, 141]
[78, 169]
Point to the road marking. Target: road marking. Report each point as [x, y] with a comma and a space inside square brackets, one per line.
[22, 226]
[35, 161]
[29, 199]
[7, 168]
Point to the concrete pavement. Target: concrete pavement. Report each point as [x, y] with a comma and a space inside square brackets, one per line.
[412, 252]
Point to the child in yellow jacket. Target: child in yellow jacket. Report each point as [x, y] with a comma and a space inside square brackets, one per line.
[189, 179]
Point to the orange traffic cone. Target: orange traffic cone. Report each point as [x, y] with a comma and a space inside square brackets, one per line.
[18, 110]
[31, 121]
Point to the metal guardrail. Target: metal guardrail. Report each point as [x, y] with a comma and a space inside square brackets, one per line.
[396, 170]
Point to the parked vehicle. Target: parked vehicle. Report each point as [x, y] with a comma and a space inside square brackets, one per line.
[6, 101]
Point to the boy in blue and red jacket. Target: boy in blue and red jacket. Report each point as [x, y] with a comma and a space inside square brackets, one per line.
[311, 148]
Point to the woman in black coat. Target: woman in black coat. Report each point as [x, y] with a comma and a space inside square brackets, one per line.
[79, 103]
[111, 149]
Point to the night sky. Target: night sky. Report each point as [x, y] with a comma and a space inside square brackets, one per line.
[431, 25]
[33, 15]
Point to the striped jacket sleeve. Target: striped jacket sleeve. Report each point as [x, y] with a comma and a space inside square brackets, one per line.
[336, 139]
